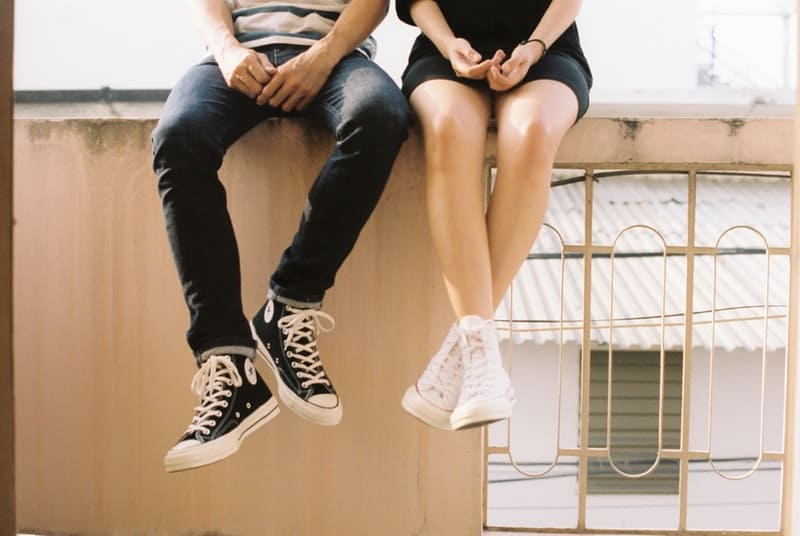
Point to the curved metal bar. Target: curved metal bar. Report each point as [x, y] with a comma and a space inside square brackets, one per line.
[662, 357]
[560, 371]
[760, 458]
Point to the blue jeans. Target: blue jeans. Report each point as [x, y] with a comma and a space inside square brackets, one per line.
[203, 117]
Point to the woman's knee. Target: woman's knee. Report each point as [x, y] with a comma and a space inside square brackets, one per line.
[448, 132]
[538, 135]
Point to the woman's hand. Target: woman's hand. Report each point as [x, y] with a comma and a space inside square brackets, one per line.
[509, 74]
[466, 61]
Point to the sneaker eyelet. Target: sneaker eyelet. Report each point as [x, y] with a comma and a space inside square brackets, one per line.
[212, 423]
[304, 385]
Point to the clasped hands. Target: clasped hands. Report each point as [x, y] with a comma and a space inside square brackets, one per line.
[499, 72]
[292, 86]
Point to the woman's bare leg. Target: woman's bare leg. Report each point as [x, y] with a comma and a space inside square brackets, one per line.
[531, 122]
[454, 119]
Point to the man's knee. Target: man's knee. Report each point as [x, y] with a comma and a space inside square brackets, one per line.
[180, 142]
[382, 117]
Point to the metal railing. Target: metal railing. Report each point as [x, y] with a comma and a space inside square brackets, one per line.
[564, 329]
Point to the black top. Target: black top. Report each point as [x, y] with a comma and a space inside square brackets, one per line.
[489, 26]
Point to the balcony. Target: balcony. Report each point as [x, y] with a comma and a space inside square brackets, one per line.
[102, 373]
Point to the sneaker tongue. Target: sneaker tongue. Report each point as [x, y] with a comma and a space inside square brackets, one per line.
[303, 340]
[304, 333]
[471, 322]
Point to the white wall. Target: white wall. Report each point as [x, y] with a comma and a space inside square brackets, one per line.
[635, 47]
[93, 43]
[640, 45]
[714, 502]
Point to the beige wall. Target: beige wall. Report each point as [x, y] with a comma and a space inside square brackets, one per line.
[102, 371]
[7, 508]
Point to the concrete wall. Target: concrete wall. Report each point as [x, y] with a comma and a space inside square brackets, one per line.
[7, 508]
[102, 370]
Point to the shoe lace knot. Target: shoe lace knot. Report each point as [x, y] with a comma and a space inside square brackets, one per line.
[300, 328]
[213, 384]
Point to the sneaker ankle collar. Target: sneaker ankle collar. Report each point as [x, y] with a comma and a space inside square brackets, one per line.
[294, 303]
[473, 322]
[226, 350]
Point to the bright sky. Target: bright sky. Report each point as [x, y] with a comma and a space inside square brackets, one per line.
[631, 44]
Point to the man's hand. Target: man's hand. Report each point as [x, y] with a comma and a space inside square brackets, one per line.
[245, 70]
[466, 61]
[297, 82]
[510, 73]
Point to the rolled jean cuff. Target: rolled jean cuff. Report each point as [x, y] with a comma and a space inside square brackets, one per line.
[306, 301]
[246, 348]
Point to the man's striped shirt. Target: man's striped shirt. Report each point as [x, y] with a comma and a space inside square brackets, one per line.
[266, 22]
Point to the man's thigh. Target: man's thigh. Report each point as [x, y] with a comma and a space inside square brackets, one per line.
[357, 86]
[201, 103]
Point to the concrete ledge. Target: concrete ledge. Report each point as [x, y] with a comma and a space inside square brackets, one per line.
[765, 141]
[679, 140]
[102, 370]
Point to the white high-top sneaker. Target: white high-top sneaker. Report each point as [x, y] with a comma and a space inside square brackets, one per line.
[486, 392]
[435, 394]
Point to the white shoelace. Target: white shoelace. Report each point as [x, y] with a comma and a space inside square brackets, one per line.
[482, 374]
[211, 384]
[305, 324]
[443, 374]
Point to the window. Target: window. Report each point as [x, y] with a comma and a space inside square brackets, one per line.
[634, 425]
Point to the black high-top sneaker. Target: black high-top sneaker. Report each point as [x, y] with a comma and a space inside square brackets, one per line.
[234, 402]
[286, 338]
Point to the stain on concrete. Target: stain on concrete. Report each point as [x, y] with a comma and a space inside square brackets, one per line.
[734, 125]
[39, 131]
[98, 135]
[630, 128]
[102, 135]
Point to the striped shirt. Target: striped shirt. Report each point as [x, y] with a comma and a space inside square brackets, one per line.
[267, 22]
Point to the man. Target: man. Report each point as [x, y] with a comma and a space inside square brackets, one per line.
[270, 59]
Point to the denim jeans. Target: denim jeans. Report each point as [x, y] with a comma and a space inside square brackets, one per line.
[203, 117]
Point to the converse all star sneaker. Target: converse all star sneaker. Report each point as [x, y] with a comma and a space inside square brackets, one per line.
[486, 393]
[286, 337]
[435, 394]
[234, 402]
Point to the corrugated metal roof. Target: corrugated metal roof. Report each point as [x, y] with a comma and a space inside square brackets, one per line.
[723, 203]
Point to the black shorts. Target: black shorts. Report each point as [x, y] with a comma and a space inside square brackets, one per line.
[555, 65]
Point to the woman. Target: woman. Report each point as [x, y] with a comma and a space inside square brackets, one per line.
[519, 61]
